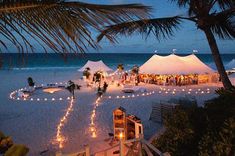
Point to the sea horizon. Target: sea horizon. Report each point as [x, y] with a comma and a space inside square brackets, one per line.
[55, 61]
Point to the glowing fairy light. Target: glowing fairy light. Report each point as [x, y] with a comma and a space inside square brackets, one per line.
[53, 99]
[38, 99]
[92, 127]
[59, 136]
[110, 97]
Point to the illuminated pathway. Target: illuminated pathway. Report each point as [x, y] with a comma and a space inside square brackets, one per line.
[59, 136]
[92, 127]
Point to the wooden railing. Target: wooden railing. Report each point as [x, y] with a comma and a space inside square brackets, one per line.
[124, 148]
[84, 152]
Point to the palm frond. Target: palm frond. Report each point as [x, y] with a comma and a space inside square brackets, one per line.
[225, 4]
[181, 3]
[224, 25]
[160, 27]
[63, 26]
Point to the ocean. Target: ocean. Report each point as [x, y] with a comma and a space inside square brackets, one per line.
[43, 61]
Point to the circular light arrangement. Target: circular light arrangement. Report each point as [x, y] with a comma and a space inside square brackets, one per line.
[13, 95]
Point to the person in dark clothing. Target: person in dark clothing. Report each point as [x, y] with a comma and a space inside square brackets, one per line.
[71, 87]
[99, 91]
[105, 86]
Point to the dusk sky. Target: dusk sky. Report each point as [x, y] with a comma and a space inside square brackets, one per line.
[185, 40]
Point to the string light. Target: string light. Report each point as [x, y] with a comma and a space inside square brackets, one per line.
[166, 91]
[92, 127]
[59, 136]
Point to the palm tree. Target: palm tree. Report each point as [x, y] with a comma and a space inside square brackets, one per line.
[63, 26]
[120, 67]
[213, 17]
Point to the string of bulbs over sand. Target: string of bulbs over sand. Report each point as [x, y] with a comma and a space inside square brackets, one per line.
[92, 127]
[60, 138]
[161, 91]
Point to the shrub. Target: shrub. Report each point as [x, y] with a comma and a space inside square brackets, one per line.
[8, 148]
[201, 131]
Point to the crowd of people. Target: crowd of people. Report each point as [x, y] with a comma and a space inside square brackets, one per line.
[174, 80]
[129, 78]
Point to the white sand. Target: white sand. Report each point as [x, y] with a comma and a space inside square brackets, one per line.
[34, 123]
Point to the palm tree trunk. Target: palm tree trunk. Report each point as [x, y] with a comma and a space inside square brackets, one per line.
[217, 58]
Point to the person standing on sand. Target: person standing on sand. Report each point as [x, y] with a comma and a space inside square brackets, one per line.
[71, 87]
[105, 86]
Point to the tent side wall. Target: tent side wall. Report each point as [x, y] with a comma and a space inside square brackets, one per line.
[208, 78]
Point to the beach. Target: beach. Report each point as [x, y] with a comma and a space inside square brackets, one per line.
[34, 123]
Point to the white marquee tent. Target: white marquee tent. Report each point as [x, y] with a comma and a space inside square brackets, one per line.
[174, 65]
[95, 66]
[231, 64]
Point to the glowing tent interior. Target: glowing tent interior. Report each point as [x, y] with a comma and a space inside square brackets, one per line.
[163, 68]
[95, 66]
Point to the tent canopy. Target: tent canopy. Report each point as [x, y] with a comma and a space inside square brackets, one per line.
[231, 64]
[173, 64]
[95, 66]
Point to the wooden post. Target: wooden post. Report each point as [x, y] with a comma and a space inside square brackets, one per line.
[58, 153]
[105, 153]
[140, 147]
[121, 147]
[87, 150]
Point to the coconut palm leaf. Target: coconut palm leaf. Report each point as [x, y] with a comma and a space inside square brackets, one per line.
[63, 26]
[181, 3]
[224, 4]
[223, 25]
[160, 27]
